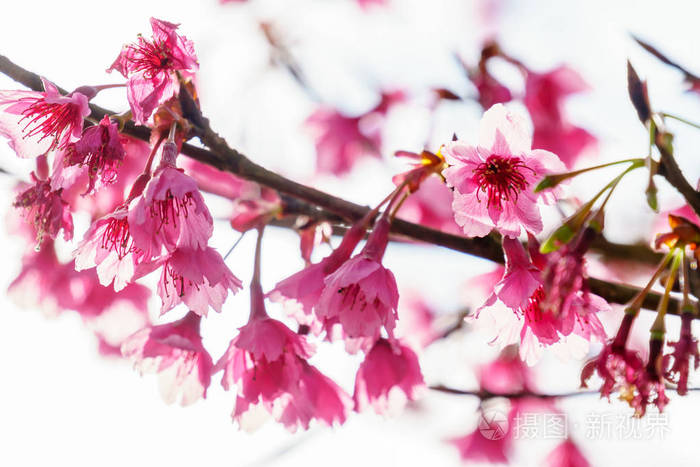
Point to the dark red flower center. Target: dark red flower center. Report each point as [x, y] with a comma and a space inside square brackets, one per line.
[501, 178]
[117, 237]
[171, 209]
[152, 58]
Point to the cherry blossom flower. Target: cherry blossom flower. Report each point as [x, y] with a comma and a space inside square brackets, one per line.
[545, 302]
[623, 371]
[341, 140]
[367, 4]
[108, 245]
[431, 206]
[100, 150]
[361, 295]
[685, 349]
[567, 454]
[507, 374]
[491, 92]
[544, 98]
[151, 67]
[171, 212]
[491, 441]
[197, 278]
[175, 351]
[267, 364]
[389, 369]
[46, 210]
[493, 181]
[417, 324]
[37, 122]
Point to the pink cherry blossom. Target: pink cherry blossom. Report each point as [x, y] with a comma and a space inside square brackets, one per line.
[624, 371]
[544, 98]
[175, 351]
[100, 150]
[567, 454]
[267, 364]
[197, 278]
[491, 442]
[388, 369]
[367, 4]
[152, 66]
[493, 181]
[417, 324]
[301, 291]
[37, 122]
[431, 206]
[108, 245]
[491, 92]
[361, 295]
[46, 210]
[548, 302]
[171, 212]
[507, 374]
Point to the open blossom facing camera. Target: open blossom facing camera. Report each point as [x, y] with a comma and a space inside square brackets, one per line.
[152, 66]
[175, 351]
[493, 181]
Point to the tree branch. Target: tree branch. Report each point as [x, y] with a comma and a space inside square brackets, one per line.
[227, 159]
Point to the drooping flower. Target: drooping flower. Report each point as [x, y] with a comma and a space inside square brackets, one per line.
[267, 363]
[37, 122]
[507, 374]
[198, 278]
[361, 295]
[541, 302]
[491, 92]
[151, 67]
[493, 181]
[544, 98]
[623, 371]
[100, 149]
[567, 454]
[46, 210]
[108, 245]
[175, 351]
[171, 212]
[685, 350]
[389, 370]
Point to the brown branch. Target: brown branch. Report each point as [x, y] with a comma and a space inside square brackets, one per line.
[483, 394]
[224, 158]
[672, 173]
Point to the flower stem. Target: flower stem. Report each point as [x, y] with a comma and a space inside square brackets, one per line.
[681, 119]
[658, 328]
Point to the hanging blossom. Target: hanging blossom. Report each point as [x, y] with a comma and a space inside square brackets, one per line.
[267, 362]
[684, 356]
[46, 210]
[493, 181]
[171, 211]
[623, 371]
[37, 122]
[175, 351]
[389, 371]
[361, 296]
[152, 66]
[545, 94]
[543, 299]
[341, 141]
[100, 151]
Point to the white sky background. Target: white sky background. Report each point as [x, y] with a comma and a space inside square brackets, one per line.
[62, 404]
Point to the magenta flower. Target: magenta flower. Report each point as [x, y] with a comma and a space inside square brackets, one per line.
[544, 98]
[567, 454]
[361, 295]
[431, 206]
[171, 212]
[267, 364]
[507, 374]
[175, 351]
[301, 291]
[493, 181]
[46, 210]
[108, 245]
[389, 369]
[624, 372]
[547, 302]
[685, 350]
[491, 92]
[197, 278]
[152, 66]
[100, 150]
[37, 122]
[366, 4]
[491, 442]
